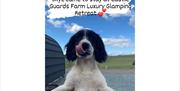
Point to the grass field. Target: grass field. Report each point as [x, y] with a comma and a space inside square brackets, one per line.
[114, 62]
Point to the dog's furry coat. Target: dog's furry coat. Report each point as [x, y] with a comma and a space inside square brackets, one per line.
[85, 75]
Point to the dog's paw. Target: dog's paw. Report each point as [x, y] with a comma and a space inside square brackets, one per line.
[106, 89]
[63, 88]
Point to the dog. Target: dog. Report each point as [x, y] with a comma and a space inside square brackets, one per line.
[87, 49]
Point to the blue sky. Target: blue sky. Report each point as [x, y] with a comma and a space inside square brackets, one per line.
[117, 32]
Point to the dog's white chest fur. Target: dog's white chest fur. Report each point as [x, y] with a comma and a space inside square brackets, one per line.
[88, 83]
[84, 76]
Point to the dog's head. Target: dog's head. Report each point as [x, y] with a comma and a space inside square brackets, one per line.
[86, 44]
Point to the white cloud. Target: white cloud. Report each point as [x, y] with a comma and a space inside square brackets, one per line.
[57, 23]
[132, 21]
[70, 28]
[112, 16]
[116, 15]
[128, 13]
[73, 27]
[115, 53]
[118, 53]
[117, 42]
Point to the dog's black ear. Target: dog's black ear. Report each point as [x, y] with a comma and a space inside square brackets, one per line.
[70, 52]
[99, 48]
[70, 46]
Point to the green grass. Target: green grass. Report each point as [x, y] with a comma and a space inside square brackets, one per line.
[118, 62]
[114, 62]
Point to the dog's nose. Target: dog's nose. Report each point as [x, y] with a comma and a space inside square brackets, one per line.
[85, 45]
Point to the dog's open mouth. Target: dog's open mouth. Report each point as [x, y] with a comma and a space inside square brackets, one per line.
[81, 51]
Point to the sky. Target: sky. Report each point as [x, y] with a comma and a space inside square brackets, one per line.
[117, 32]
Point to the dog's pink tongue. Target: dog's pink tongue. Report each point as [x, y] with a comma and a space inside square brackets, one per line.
[79, 49]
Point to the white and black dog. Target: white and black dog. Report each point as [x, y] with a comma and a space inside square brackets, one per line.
[87, 48]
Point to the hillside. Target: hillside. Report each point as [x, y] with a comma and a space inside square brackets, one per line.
[118, 62]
